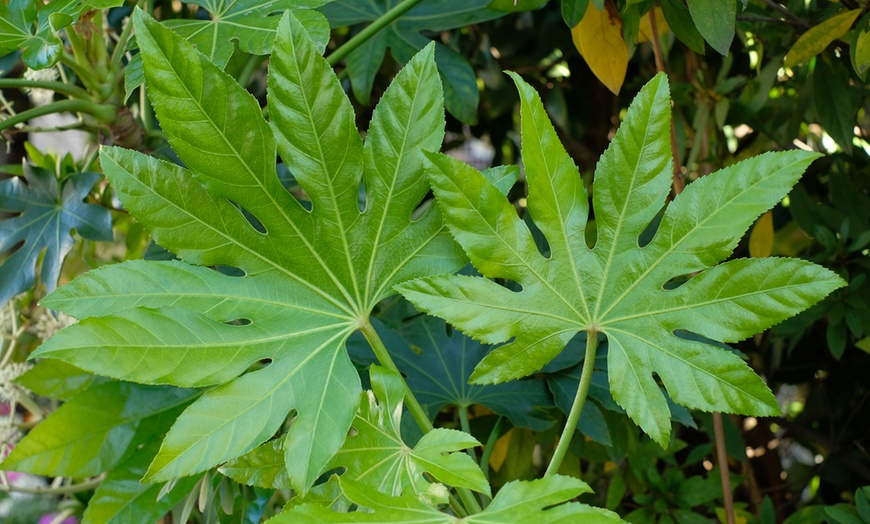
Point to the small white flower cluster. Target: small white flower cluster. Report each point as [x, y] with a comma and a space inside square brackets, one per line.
[11, 392]
[47, 325]
[9, 435]
[37, 95]
[7, 320]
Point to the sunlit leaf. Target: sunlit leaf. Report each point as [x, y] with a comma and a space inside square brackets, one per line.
[273, 340]
[616, 287]
[540, 501]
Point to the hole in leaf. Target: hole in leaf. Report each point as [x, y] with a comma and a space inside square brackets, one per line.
[230, 271]
[254, 221]
[288, 180]
[649, 233]
[537, 234]
[238, 322]
[421, 209]
[677, 281]
[361, 196]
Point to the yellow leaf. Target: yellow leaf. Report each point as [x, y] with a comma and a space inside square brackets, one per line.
[817, 38]
[500, 449]
[598, 37]
[645, 30]
[761, 238]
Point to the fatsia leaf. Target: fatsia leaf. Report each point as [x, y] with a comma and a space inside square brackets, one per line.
[263, 466]
[92, 432]
[57, 379]
[618, 287]
[32, 25]
[376, 455]
[403, 38]
[271, 341]
[47, 212]
[539, 501]
[252, 24]
[122, 499]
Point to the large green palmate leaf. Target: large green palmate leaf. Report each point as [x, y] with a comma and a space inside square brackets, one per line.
[252, 24]
[48, 211]
[271, 341]
[540, 501]
[403, 38]
[619, 287]
[32, 25]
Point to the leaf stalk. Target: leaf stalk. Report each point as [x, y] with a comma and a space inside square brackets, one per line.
[371, 30]
[577, 407]
[103, 113]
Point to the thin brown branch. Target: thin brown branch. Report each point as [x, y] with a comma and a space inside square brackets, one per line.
[679, 184]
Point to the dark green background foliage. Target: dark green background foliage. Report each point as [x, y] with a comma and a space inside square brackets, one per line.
[295, 294]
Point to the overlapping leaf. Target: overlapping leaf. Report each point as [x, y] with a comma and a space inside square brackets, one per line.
[250, 23]
[271, 341]
[619, 287]
[32, 25]
[49, 211]
[437, 366]
[376, 454]
[89, 434]
[402, 37]
[540, 501]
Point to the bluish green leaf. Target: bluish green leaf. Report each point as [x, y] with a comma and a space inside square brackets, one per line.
[270, 341]
[47, 212]
[680, 21]
[617, 288]
[715, 20]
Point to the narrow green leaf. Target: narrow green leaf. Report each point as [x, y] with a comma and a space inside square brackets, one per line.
[573, 11]
[57, 379]
[833, 101]
[618, 288]
[89, 434]
[715, 20]
[819, 37]
[859, 52]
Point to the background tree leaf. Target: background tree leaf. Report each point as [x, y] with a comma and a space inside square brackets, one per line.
[272, 340]
[819, 37]
[402, 37]
[598, 37]
[616, 288]
[832, 101]
[32, 26]
[680, 21]
[715, 20]
[47, 212]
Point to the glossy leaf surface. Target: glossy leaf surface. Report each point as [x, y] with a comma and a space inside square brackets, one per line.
[617, 287]
[270, 341]
[48, 211]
